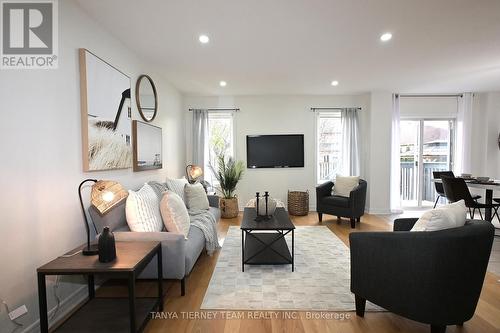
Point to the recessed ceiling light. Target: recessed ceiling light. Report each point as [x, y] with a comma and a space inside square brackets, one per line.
[386, 37]
[222, 83]
[335, 83]
[204, 39]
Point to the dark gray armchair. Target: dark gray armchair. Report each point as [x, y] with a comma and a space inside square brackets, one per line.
[352, 207]
[432, 277]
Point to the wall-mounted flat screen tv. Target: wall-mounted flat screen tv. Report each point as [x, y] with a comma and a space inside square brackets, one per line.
[275, 151]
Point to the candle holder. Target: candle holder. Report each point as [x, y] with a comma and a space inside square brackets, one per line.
[262, 217]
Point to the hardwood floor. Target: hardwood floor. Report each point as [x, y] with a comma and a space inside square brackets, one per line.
[183, 311]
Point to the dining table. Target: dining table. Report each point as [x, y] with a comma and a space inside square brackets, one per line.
[488, 186]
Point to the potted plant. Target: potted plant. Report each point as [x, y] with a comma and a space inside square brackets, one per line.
[228, 173]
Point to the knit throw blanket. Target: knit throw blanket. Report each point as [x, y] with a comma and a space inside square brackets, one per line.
[205, 221]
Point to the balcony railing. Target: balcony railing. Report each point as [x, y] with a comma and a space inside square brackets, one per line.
[328, 169]
[409, 184]
[409, 180]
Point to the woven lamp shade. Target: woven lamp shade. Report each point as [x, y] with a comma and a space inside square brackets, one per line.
[106, 194]
[193, 173]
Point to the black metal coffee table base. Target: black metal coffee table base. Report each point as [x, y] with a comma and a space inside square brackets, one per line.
[266, 248]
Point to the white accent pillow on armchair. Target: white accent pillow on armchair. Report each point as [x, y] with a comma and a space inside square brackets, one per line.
[343, 185]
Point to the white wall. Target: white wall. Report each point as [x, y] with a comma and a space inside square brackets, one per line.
[277, 115]
[428, 107]
[41, 158]
[378, 162]
[485, 131]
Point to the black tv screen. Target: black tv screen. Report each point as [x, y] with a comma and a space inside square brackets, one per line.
[275, 151]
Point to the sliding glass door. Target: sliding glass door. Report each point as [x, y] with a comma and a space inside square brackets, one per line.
[426, 145]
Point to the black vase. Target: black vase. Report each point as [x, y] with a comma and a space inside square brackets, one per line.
[107, 248]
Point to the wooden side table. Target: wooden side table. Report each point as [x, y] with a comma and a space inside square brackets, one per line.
[106, 314]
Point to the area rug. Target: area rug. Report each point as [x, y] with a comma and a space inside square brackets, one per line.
[321, 281]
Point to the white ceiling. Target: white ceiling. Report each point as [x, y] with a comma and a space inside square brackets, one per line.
[300, 46]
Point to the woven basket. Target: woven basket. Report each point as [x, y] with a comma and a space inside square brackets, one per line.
[298, 203]
[229, 208]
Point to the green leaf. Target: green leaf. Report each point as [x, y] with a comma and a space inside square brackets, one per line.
[228, 173]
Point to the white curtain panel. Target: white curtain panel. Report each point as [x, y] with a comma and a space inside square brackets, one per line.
[350, 141]
[395, 157]
[464, 134]
[200, 128]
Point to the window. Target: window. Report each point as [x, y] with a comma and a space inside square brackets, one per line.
[219, 140]
[329, 145]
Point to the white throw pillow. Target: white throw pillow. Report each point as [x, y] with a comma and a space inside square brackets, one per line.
[344, 185]
[177, 186]
[458, 210]
[195, 197]
[174, 213]
[444, 217]
[142, 210]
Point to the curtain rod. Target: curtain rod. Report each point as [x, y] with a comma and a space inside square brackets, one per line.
[215, 109]
[431, 95]
[336, 108]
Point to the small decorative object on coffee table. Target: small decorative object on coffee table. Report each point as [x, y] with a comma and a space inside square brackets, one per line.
[264, 207]
[298, 203]
[266, 247]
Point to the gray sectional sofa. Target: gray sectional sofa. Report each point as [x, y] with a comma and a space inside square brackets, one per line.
[179, 254]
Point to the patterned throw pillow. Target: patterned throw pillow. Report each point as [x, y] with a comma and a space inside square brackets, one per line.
[159, 188]
[177, 186]
[142, 210]
[174, 213]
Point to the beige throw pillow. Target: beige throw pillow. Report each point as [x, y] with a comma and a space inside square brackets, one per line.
[195, 197]
[343, 185]
[174, 213]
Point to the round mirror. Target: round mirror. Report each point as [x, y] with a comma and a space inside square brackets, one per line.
[146, 98]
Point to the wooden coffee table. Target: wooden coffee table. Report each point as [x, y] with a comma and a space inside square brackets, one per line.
[106, 314]
[264, 243]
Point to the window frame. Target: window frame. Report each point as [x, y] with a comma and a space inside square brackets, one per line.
[333, 113]
[452, 139]
[211, 114]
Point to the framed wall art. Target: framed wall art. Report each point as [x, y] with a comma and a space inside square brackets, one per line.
[105, 113]
[147, 144]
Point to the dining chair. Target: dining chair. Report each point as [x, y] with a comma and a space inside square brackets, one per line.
[456, 189]
[439, 186]
[497, 213]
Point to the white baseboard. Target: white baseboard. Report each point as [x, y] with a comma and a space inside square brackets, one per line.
[66, 306]
[379, 211]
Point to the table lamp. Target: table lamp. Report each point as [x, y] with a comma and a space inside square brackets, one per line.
[104, 196]
[193, 173]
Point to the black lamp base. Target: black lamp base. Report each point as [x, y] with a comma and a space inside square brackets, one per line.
[92, 250]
